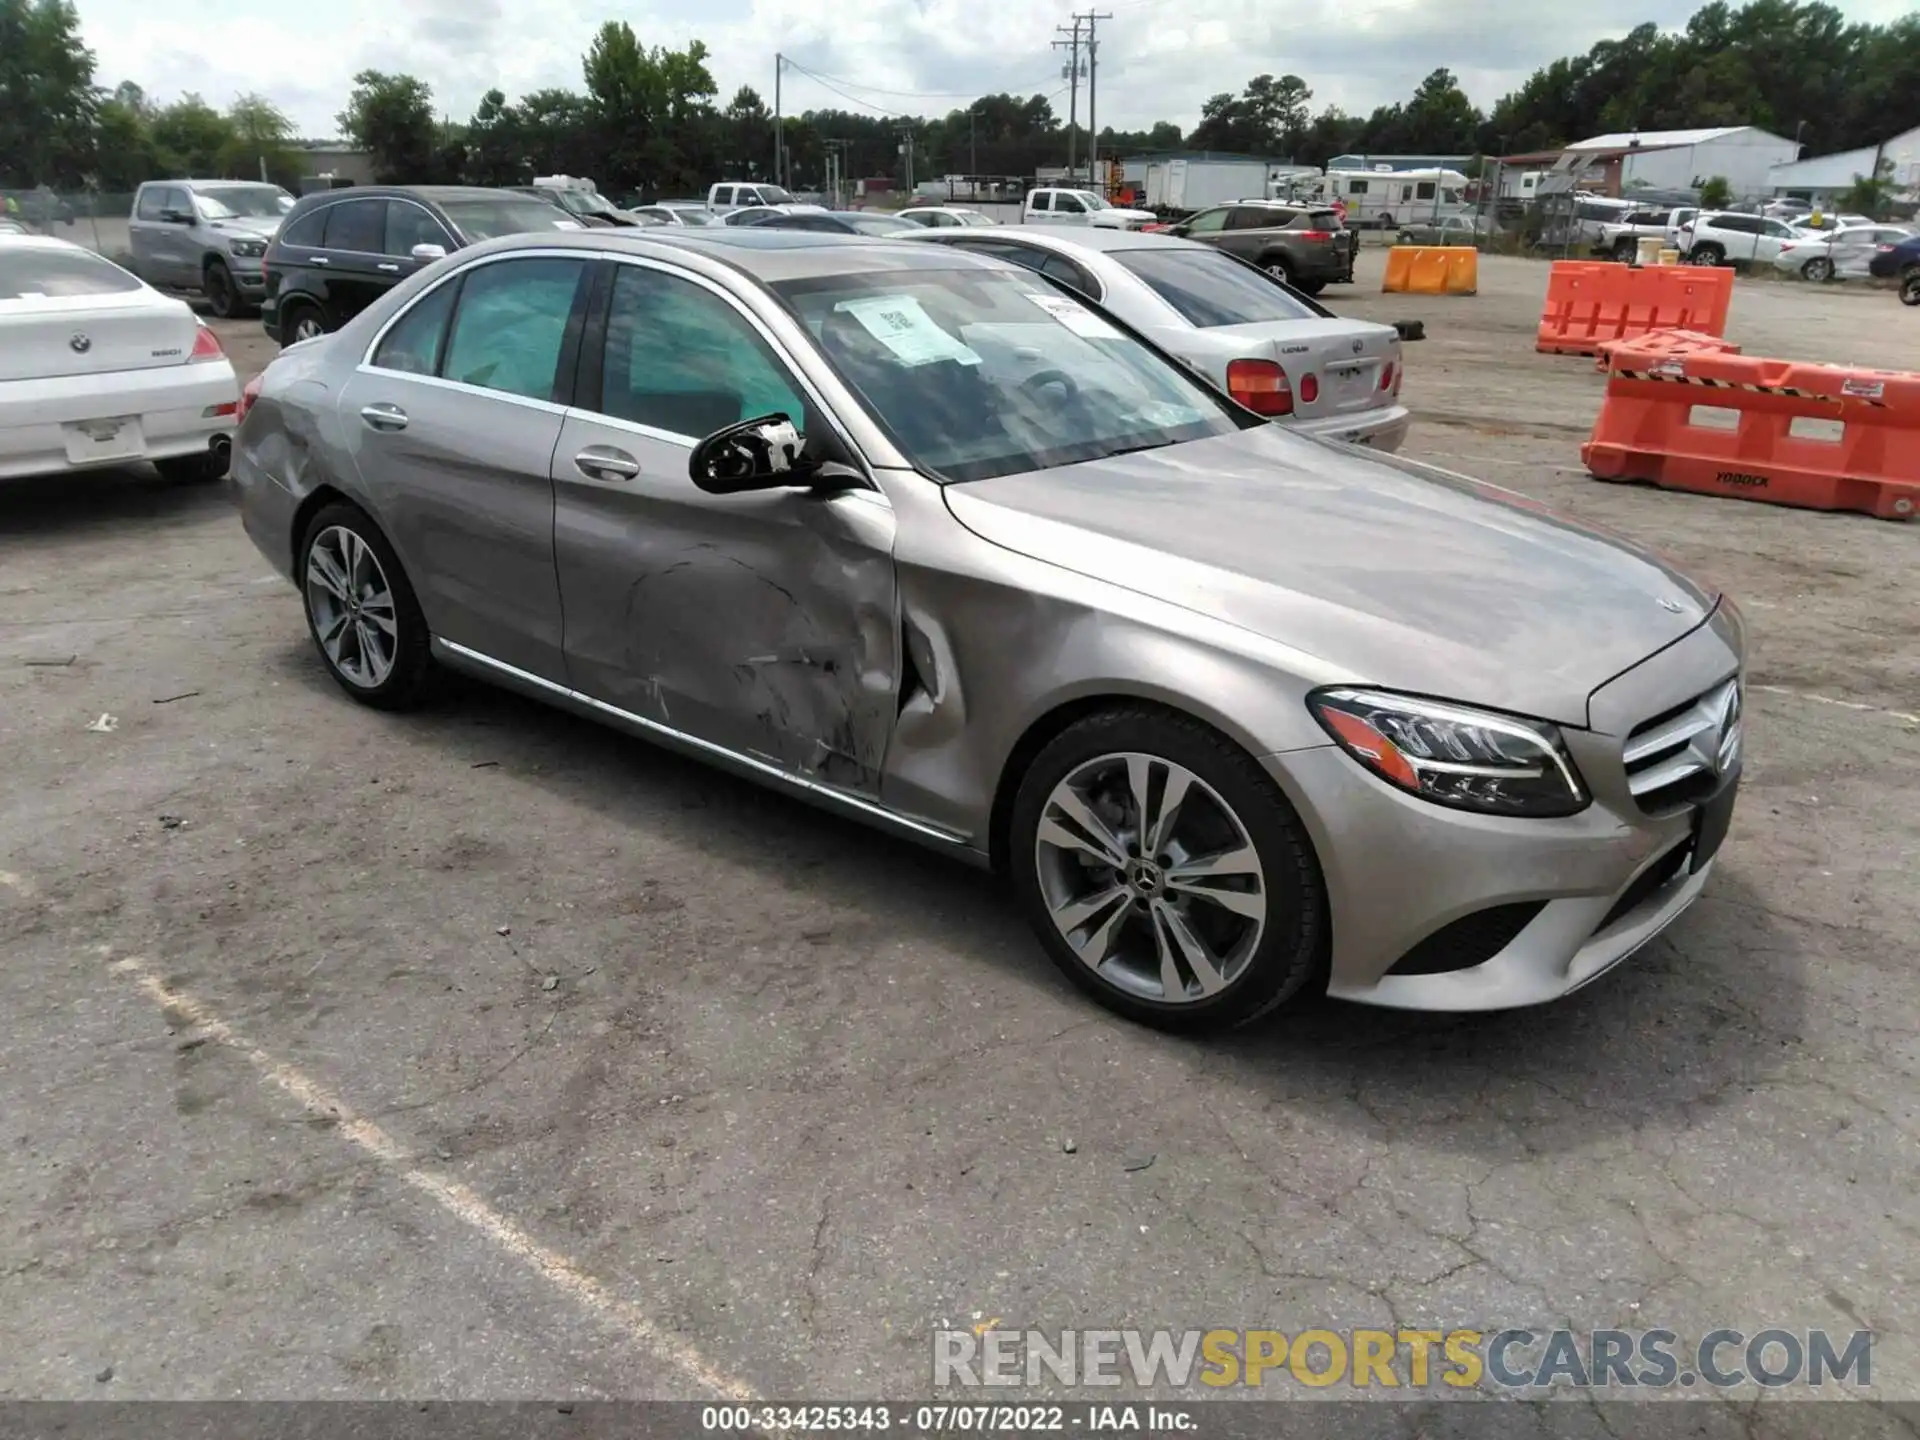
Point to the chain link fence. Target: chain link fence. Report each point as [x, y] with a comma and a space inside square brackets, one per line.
[94, 218]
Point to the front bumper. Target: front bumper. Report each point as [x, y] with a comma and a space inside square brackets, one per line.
[1381, 429]
[1592, 888]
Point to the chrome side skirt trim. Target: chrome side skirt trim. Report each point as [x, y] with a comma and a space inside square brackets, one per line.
[461, 657]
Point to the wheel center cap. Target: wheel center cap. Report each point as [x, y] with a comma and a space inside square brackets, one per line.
[1146, 879]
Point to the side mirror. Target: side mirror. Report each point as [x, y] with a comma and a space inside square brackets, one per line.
[759, 454]
[176, 217]
[1181, 229]
[427, 254]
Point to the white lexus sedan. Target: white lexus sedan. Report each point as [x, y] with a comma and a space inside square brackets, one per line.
[98, 369]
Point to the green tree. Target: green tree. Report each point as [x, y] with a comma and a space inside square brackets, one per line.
[496, 143]
[191, 138]
[391, 117]
[1716, 193]
[48, 105]
[1868, 195]
[1269, 117]
[651, 110]
[123, 140]
[260, 143]
[747, 136]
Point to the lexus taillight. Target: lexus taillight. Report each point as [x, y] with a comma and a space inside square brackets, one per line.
[1261, 386]
[206, 346]
[247, 396]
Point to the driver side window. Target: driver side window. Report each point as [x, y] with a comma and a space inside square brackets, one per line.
[1069, 205]
[1207, 222]
[681, 359]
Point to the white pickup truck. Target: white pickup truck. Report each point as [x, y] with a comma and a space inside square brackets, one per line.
[1080, 207]
[1621, 238]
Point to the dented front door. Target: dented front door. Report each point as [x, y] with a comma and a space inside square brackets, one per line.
[761, 622]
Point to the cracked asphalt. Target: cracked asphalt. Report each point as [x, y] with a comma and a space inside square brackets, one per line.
[487, 1054]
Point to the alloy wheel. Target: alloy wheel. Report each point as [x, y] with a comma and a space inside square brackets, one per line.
[352, 606]
[1151, 878]
[307, 326]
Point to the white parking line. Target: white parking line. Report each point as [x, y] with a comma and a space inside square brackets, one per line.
[455, 1198]
[1904, 716]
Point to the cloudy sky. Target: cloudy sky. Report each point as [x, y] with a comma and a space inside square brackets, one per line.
[1159, 59]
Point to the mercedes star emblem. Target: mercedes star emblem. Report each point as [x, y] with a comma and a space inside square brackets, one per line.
[1673, 605]
[80, 343]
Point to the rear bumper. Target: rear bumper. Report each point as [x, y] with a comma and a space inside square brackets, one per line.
[1383, 429]
[171, 406]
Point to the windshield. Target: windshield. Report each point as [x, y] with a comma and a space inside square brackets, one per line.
[1211, 289]
[879, 224]
[479, 220]
[251, 202]
[1093, 201]
[978, 373]
[774, 195]
[973, 217]
[60, 272]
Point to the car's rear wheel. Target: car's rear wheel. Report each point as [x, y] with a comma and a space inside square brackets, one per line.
[1625, 251]
[303, 320]
[223, 296]
[1165, 873]
[1819, 269]
[362, 612]
[1910, 287]
[1707, 254]
[1278, 268]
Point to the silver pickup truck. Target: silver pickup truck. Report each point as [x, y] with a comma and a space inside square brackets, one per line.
[1621, 238]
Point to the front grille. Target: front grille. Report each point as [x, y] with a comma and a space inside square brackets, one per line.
[1677, 756]
[1655, 877]
[1469, 941]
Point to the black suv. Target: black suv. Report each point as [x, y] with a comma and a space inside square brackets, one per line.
[1307, 248]
[340, 250]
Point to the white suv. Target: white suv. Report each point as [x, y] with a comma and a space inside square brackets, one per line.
[1716, 237]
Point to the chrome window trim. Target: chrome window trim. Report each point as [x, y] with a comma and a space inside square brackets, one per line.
[466, 267]
[451, 244]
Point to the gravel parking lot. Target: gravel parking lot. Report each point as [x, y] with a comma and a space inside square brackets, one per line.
[486, 1053]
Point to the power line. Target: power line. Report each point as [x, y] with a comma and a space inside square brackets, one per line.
[917, 94]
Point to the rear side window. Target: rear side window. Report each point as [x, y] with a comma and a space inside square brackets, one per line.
[414, 344]
[1213, 289]
[1318, 220]
[307, 231]
[510, 325]
[1256, 217]
[150, 204]
[30, 270]
[1058, 267]
[1042, 200]
[357, 225]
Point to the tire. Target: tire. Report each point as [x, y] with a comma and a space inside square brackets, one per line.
[1277, 267]
[343, 539]
[302, 320]
[1819, 270]
[1385, 221]
[223, 296]
[1309, 287]
[1707, 254]
[1405, 237]
[1910, 288]
[201, 469]
[1261, 956]
[1625, 251]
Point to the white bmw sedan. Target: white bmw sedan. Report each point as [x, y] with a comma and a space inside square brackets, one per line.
[98, 369]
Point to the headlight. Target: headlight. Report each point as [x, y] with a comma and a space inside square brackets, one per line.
[248, 249]
[1452, 755]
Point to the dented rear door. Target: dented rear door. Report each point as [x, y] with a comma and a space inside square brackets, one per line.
[764, 622]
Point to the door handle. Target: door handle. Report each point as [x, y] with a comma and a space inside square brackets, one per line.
[603, 462]
[384, 417]
[390, 269]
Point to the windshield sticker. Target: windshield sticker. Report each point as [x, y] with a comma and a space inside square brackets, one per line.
[567, 225]
[1166, 416]
[1075, 316]
[898, 322]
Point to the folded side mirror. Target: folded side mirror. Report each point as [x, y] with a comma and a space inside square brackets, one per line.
[427, 254]
[759, 454]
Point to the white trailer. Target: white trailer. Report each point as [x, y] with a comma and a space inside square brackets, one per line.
[1187, 185]
[1386, 197]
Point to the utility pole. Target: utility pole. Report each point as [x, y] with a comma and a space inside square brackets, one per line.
[906, 152]
[779, 131]
[1072, 75]
[1093, 71]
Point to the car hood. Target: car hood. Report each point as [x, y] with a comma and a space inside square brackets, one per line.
[261, 227]
[1405, 576]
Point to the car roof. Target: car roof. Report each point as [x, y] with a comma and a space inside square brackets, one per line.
[1093, 238]
[768, 256]
[30, 241]
[439, 194]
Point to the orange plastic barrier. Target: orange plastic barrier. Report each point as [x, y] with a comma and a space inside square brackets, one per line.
[1647, 430]
[1590, 301]
[1658, 345]
[1431, 270]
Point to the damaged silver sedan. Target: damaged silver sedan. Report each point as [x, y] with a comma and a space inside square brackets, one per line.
[913, 534]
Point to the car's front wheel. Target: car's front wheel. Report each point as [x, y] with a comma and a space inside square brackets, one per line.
[1910, 287]
[223, 295]
[1819, 269]
[1708, 254]
[1165, 873]
[303, 320]
[362, 612]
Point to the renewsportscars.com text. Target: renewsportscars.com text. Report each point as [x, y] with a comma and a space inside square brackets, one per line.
[1392, 1359]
